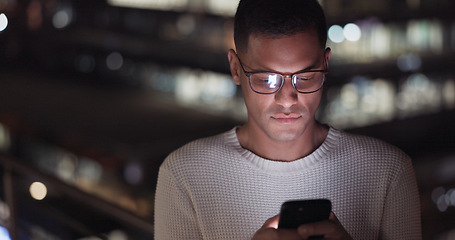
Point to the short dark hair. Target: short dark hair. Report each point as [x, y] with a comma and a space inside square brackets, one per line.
[277, 18]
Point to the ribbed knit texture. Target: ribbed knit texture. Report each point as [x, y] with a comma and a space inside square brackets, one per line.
[212, 188]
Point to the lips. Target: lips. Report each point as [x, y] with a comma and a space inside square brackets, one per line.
[286, 118]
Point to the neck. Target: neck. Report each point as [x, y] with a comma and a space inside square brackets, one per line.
[259, 143]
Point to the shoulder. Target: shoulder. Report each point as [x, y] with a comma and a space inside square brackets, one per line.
[199, 151]
[368, 144]
[371, 150]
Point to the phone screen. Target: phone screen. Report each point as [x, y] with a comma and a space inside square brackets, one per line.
[296, 213]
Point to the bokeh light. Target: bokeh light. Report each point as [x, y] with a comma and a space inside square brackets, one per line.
[448, 93]
[409, 62]
[3, 22]
[85, 63]
[352, 32]
[186, 24]
[114, 61]
[38, 190]
[61, 19]
[148, 4]
[336, 34]
[5, 213]
[4, 235]
[118, 235]
[5, 139]
[133, 173]
[443, 199]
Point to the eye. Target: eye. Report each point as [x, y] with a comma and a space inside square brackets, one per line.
[269, 80]
[261, 79]
[304, 76]
[272, 80]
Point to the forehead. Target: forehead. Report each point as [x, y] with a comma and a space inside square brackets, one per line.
[283, 53]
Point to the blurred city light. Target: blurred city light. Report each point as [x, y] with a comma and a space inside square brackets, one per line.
[85, 63]
[448, 93]
[117, 235]
[409, 62]
[61, 19]
[226, 8]
[5, 139]
[418, 95]
[336, 34]
[361, 102]
[4, 235]
[114, 61]
[5, 213]
[223, 8]
[352, 32]
[164, 5]
[186, 24]
[380, 42]
[66, 167]
[425, 35]
[377, 40]
[436, 193]
[89, 173]
[38, 190]
[442, 198]
[3, 22]
[204, 87]
[133, 173]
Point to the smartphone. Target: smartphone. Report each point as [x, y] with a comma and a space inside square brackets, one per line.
[298, 212]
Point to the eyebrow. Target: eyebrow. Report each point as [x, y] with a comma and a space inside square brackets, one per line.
[310, 68]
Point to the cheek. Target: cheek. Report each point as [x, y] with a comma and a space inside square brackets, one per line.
[255, 103]
[312, 101]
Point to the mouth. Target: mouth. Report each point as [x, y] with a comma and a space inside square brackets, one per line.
[286, 118]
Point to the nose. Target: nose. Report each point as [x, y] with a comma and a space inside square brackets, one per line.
[287, 95]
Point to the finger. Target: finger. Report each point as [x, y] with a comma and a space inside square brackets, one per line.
[276, 234]
[266, 234]
[272, 222]
[333, 217]
[330, 229]
[325, 228]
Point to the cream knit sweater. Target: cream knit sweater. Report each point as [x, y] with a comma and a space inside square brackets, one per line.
[212, 188]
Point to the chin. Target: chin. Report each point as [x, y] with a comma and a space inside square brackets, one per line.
[285, 135]
[289, 132]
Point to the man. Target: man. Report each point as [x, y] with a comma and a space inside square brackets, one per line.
[227, 186]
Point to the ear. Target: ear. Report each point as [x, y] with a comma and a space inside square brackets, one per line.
[234, 65]
[327, 55]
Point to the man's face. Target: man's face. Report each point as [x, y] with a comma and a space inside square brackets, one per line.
[287, 114]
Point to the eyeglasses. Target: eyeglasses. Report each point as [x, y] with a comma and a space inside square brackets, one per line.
[306, 81]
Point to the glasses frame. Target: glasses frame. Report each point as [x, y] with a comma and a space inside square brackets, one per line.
[291, 76]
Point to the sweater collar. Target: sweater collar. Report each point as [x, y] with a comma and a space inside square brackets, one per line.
[278, 167]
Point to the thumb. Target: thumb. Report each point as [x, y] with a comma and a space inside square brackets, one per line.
[272, 222]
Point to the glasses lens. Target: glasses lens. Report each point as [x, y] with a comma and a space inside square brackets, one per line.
[265, 82]
[308, 82]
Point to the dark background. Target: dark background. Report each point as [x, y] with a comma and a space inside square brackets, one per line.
[94, 96]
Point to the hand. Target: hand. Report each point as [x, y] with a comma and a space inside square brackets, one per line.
[330, 229]
[269, 231]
